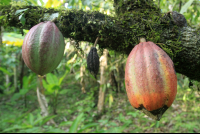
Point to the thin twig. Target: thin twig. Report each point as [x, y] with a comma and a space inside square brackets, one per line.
[97, 39]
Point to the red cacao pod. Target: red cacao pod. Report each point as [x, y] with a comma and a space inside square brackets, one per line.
[43, 48]
[150, 79]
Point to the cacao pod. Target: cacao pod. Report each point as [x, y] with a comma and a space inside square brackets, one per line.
[43, 48]
[93, 61]
[150, 79]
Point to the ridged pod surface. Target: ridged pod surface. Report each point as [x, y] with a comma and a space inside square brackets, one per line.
[93, 61]
[43, 48]
[150, 79]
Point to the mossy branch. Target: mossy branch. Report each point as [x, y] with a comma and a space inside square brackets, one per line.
[120, 33]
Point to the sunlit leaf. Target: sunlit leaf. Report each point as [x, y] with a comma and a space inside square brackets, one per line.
[49, 3]
[66, 72]
[5, 2]
[31, 118]
[42, 3]
[25, 82]
[13, 39]
[110, 100]
[22, 19]
[33, 2]
[52, 79]
[87, 126]
[76, 122]
[5, 71]
[186, 6]
[20, 10]
[47, 118]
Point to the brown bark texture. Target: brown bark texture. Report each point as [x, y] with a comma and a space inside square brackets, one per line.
[103, 64]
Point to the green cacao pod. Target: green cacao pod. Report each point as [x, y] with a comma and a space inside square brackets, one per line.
[150, 79]
[93, 61]
[43, 48]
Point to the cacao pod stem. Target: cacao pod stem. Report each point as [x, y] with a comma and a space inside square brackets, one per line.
[142, 39]
[97, 39]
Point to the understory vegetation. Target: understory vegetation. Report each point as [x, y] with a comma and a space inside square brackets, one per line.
[77, 111]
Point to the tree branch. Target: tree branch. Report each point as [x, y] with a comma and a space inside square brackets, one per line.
[119, 33]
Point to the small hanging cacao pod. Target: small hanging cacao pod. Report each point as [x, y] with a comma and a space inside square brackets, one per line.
[93, 61]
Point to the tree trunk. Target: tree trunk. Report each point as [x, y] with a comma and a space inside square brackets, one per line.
[121, 76]
[7, 81]
[113, 82]
[15, 76]
[82, 82]
[21, 72]
[103, 65]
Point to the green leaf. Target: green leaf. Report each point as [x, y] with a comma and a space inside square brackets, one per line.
[20, 10]
[76, 122]
[186, 6]
[22, 19]
[117, 129]
[77, 76]
[39, 120]
[91, 76]
[55, 87]
[64, 91]
[87, 126]
[31, 119]
[46, 119]
[157, 124]
[31, 130]
[23, 91]
[5, 2]
[52, 79]
[25, 82]
[134, 114]
[64, 123]
[15, 96]
[5, 71]
[66, 72]
[16, 127]
[1, 17]
[45, 85]
[34, 2]
[42, 3]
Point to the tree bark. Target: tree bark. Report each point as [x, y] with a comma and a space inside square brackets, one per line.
[82, 81]
[15, 76]
[133, 19]
[7, 81]
[103, 65]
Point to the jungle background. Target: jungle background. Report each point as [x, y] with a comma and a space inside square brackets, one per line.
[72, 92]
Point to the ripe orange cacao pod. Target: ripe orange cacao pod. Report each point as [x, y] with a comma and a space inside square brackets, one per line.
[43, 48]
[150, 79]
